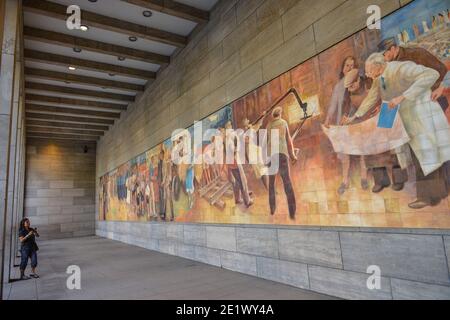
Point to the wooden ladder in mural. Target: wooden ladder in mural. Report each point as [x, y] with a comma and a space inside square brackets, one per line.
[224, 189]
[215, 191]
[206, 189]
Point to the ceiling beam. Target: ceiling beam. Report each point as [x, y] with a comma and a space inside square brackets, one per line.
[58, 11]
[58, 60]
[54, 117]
[173, 8]
[39, 108]
[38, 139]
[75, 102]
[68, 41]
[61, 136]
[51, 124]
[73, 78]
[64, 131]
[78, 92]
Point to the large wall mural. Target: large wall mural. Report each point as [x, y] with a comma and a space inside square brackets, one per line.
[365, 143]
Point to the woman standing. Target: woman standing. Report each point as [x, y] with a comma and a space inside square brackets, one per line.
[29, 248]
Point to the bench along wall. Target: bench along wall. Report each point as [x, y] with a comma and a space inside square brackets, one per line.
[246, 44]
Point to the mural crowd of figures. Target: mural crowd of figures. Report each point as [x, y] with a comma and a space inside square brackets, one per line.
[363, 139]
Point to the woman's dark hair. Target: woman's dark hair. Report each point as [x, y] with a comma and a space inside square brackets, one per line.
[22, 223]
[356, 66]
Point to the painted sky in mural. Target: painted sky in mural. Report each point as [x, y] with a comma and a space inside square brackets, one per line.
[337, 166]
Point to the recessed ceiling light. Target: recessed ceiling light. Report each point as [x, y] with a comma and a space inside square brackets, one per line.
[72, 68]
[84, 27]
[77, 50]
[133, 39]
[147, 13]
[121, 58]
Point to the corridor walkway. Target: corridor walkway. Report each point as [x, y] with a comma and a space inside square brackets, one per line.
[113, 270]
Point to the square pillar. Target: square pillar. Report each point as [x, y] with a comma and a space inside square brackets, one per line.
[13, 147]
[7, 84]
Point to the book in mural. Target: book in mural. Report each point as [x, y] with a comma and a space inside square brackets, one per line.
[365, 141]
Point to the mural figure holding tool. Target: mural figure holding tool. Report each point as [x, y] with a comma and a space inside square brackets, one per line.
[286, 152]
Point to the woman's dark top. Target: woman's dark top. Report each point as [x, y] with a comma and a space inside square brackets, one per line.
[29, 243]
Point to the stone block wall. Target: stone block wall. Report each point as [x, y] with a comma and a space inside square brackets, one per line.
[246, 44]
[60, 188]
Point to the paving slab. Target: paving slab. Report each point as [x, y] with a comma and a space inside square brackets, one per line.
[117, 271]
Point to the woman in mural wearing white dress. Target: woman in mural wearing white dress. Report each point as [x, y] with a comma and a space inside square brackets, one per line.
[408, 85]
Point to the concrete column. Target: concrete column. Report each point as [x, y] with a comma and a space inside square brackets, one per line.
[18, 185]
[2, 17]
[13, 147]
[7, 75]
[20, 155]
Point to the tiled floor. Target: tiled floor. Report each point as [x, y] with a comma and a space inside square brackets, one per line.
[113, 270]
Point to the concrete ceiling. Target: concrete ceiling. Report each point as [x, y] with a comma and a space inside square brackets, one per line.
[92, 96]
